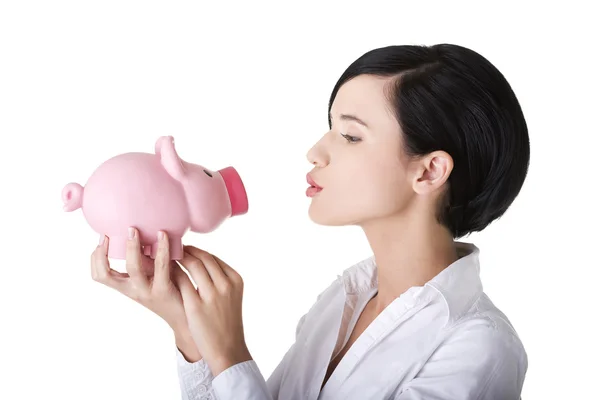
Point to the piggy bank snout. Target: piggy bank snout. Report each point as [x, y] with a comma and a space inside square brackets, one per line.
[236, 191]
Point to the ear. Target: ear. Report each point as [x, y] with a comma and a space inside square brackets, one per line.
[432, 172]
[165, 149]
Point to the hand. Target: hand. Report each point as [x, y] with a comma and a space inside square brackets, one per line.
[151, 284]
[214, 310]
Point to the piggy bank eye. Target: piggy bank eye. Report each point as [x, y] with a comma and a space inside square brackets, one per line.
[208, 173]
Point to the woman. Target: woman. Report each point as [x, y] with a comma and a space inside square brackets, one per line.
[426, 144]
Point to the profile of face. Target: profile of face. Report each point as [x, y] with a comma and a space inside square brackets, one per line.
[359, 163]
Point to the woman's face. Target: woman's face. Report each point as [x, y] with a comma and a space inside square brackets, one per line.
[363, 172]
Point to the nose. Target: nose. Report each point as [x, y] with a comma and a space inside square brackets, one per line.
[317, 155]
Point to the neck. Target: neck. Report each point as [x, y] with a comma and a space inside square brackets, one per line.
[408, 253]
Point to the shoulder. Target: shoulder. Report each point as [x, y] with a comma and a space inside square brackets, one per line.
[485, 342]
[486, 321]
[478, 356]
[489, 329]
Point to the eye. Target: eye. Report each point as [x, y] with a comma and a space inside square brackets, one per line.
[208, 173]
[350, 139]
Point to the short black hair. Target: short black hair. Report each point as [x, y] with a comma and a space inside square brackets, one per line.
[450, 98]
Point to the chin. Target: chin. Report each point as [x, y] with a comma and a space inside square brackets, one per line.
[331, 217]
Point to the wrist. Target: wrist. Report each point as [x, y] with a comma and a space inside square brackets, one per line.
[220, 364]
[186, 345]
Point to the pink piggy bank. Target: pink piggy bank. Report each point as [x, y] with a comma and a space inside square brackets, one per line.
[153, 192]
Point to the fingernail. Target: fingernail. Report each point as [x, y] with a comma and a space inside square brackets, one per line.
[101, 241]
[161, 235]
[131, 233]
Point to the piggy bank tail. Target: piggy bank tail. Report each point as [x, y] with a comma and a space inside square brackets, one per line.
[72, 196]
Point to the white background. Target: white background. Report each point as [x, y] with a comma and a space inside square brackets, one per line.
[247, 84]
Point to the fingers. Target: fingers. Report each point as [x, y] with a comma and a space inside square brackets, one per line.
[184, 284]
[103, 273]
[162, 261]
[212, 267]
[181, 279]
[147, 266]
[198, 272]
[230, 272]
[133, 262]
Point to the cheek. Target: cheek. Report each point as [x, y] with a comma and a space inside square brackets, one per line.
[360, 199]
[380, 190]
[373, 189]
[365, 187]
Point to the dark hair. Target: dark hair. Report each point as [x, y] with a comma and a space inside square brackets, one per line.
[448, 97]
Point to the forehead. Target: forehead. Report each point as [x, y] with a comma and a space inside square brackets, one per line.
[365, 97]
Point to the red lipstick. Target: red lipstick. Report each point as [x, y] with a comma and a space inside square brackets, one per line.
[313, 188]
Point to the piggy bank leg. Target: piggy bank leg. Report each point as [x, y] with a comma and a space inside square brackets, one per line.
[175, 248]
[117, 247]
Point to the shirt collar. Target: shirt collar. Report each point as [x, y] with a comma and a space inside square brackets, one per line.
[459, 284]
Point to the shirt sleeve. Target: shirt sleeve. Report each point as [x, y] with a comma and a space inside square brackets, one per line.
[195, 379]
[242, 381]
[478, 364]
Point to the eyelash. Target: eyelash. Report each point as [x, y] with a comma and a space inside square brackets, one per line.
[350, 139]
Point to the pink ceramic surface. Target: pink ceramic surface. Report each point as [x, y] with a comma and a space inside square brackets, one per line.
[153, 192]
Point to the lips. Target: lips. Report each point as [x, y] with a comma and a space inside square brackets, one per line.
[311, 182]
[314, 188]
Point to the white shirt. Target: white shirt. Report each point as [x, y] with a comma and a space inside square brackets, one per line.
[443, 340]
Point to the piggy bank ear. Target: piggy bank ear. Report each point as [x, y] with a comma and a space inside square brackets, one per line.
[165, 149]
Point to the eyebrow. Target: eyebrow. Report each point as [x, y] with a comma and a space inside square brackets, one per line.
[349, 117]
